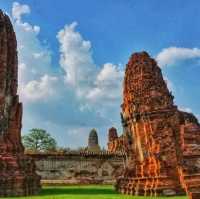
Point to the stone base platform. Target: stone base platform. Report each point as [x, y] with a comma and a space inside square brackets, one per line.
[147, 186]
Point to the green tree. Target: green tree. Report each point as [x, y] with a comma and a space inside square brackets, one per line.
[39, 140]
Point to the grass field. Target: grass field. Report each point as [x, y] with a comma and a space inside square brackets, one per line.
[85, 192]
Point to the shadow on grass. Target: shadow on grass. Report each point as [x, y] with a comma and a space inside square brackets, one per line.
[76, 191]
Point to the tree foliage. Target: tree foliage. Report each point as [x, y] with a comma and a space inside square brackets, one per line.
[38, 140]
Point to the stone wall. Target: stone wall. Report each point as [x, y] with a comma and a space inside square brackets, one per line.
[78, 168]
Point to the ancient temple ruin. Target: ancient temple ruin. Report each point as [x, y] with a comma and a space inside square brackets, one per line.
[93, 141]
[115, 143]
[162, 143]
[17, 171]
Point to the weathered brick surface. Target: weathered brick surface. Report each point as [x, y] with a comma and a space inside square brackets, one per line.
[162, 143]
[115, 143]
[78, 167]
[194, 195]
[17, 171]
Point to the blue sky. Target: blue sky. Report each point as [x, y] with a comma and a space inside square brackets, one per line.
[72, 56]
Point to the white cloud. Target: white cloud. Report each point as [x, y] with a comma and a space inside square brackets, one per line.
[39, 90]
[88, 81]
[76, 58]
[108, 84]
[18, 10]
[171, 55]
[109, 74]
[34, 57]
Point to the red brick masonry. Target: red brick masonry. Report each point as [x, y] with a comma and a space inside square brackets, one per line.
[162, 144]
[17, 171]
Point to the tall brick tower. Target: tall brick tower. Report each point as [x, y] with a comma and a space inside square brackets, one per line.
[162, 143]
[17, 171]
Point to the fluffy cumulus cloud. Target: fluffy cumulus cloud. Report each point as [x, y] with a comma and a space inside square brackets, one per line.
[80, 70]
[34, 58]
[76, 57]
[66, 104]
[18, 10]
[171, 55]
[107, 85]
[89, 82]
[39, 89]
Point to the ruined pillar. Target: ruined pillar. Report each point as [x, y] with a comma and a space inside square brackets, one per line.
[162, 144]
[17, 171]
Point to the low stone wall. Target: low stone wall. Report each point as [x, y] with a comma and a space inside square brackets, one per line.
[79, 168]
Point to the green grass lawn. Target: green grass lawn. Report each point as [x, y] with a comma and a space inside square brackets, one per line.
[85, 192]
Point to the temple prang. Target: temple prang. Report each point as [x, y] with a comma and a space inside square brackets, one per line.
[17, 171]
[162, 143]
[93, 141]
[115, 143]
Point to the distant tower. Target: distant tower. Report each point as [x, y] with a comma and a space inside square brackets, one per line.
[115, 143]
[112, 134]
[93, 143]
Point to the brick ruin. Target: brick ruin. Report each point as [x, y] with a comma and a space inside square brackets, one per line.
[93, 141]
[17, 171]
[162, 143]
[115, 143]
